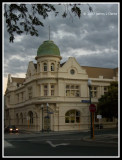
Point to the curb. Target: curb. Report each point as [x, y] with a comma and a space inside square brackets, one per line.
[29, 134]
[52, 132]
[98, 138]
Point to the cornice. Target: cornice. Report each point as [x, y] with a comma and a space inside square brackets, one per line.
[41, 56]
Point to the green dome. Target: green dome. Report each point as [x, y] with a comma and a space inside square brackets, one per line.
[48, 48]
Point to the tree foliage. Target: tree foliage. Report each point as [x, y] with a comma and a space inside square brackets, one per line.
[108, 103]
[23, 18]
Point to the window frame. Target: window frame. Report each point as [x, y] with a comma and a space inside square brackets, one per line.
[72, 71]
[45, 87]
[52, 86]
[72, 90]
[45, 66]
[105, 89]
[70, 118]
[30, 92]
[52, 68]
[94, 91]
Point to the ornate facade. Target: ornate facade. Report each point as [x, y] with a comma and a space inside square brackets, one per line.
[51, 94]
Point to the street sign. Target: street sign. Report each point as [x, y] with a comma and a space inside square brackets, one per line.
[99, 116]
[50, 112]
[85, 101]
[92, 108]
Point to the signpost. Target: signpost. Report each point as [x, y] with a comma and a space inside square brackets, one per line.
[99, 117]
[92, 109]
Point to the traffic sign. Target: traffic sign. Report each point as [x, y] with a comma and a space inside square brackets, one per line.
[85, 101]
[92, 108]
[99, 116]
[50, 112]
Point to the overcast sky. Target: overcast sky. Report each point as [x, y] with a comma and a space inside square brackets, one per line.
[92, 39]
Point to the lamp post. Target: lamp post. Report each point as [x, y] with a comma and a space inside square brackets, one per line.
[89, 85]
[42, 116]
[47, 118]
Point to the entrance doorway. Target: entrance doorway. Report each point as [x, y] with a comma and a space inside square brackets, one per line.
[47, 123]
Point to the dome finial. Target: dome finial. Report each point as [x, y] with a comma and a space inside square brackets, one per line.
[49, 32]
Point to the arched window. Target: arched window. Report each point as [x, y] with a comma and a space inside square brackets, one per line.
[21, 118]
[45, 66]
[17, 118]
[72, 116]
[30, 114]
[52, 66]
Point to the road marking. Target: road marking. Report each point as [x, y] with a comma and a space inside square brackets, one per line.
[68, 139]
[6, 144]
[55, 145]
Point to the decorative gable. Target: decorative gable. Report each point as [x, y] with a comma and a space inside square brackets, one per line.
[72, 69]
[31, 69]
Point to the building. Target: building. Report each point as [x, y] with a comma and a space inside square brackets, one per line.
[51, 94]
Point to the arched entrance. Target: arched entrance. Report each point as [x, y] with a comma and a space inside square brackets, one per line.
[48, 119]
[21, 118]
[47, 123]
[17, 119]
[30, 119]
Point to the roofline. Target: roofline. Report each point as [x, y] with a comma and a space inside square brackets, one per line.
[99, 67]
[18, 77]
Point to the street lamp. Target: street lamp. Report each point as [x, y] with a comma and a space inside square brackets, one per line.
[47, 118]
[89, 85]
[42, 106]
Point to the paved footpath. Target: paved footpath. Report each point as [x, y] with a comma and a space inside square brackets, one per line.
[106, 138]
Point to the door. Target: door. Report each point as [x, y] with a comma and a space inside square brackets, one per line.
[47, 123]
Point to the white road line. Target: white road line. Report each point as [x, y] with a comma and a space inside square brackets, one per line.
[55, 145]
[6, 144]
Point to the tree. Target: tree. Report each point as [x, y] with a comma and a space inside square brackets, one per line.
[108, 103]
[23, 18]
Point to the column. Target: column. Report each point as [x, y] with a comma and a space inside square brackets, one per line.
[41, 90]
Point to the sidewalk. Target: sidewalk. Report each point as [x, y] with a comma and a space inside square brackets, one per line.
[105, 138]
[51, 132]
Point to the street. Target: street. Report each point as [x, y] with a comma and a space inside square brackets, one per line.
[57, 145]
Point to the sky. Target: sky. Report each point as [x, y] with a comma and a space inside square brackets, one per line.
[92, 39]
